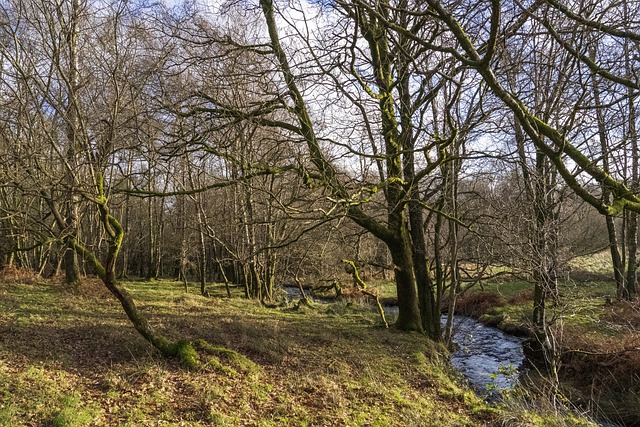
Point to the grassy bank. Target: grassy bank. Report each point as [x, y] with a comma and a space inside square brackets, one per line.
[72, 359]
[599, 336]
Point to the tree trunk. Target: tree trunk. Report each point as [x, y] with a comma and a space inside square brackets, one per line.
[269, 277]
[395, 233]
[71, 268]
[429, 309]
[631, 281]
[437, 253]
[634, 184]
[408, 312]
[427, 303]
[124, 271]
[183, 259]
[151, 237]
[451, 190]
[539, 243]
[616, 259]
[202, 256]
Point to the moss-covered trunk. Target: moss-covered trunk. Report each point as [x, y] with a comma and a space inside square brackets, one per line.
[395, 233]
[106, 273]
[427, 304]
[183, 350]
[429, 308]
[409, 318]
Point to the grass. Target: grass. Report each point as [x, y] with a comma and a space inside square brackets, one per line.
[72, 359]
[384, 288]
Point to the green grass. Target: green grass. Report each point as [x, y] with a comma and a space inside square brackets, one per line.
[385, 288]
[598, 266]
[73, 360]
[37, 394]
[580, 306]
[506, 289]
[73, 413]
[584, 295]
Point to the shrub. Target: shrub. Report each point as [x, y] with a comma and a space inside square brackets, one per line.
[477, 303]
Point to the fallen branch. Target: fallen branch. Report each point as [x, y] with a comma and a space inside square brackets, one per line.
[357, 280]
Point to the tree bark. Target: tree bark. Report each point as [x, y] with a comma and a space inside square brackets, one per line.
[616, 259]
[427, 303]
[202, 255]
[634, 184]
[451, 191]
[408, 313]
[71, 267]
[395, 234]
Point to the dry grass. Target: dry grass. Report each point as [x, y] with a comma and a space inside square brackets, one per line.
[14, 275]
[626, 314]
[596, 266]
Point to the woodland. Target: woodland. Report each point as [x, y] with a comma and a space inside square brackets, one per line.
[419, 154]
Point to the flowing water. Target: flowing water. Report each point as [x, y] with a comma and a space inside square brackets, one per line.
[487, 357]
[490, 359]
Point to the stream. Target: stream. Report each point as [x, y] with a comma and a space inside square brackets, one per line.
[487, 357]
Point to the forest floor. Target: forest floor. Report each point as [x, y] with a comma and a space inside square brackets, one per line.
[73, 359]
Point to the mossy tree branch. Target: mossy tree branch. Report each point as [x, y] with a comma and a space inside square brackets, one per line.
[352, 269]
[262, 171]
[540, 131]
[536, 128]
[183, 350]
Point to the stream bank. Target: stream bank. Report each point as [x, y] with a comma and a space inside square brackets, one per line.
[593, 375]
[490, 359]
